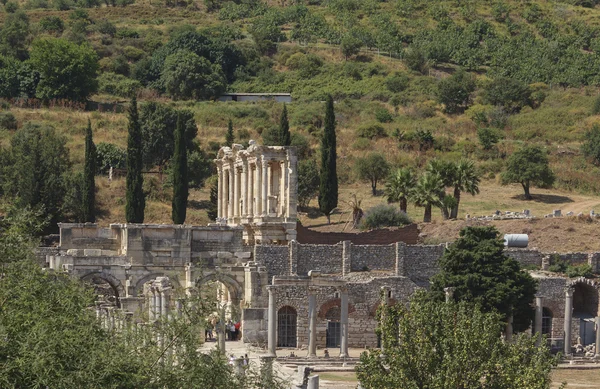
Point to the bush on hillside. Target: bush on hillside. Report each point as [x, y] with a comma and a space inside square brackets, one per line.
[384, 216]
[371, 131]
[8, 121]
[109, 155]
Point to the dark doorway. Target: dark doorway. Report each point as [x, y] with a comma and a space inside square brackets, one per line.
[334, 328]
[547, 322]
[286, 327]
[585, 308]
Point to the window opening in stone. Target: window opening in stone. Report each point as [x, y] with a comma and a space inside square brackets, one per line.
[286, 327]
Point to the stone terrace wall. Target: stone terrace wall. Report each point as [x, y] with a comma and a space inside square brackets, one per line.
[527, 257]
[420, 262]
[408, 235]
[325, 258]
[275, 258]
[371, 257]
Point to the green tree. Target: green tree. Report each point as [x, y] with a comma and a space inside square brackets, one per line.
[446, 170]
[428, 193]
[488, 137]
[285, 138]
[328, 187]
[180, 179]
[109, 155]
[446, 346]
[185, 75]
[158, 123]
[399, 187]
[89, 178]
[350, 45]
[67, 70]
[509, 93]
[591, 144]
[136, 202]
[14, 35]
[229, 136]
[374, 168]
[480, 272]
[529, 166]
[465, 179]
[9, 77]
[308, 181]
[37, 166]
[455, 91]
[213, 210]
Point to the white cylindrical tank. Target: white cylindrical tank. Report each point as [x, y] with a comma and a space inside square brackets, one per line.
[516, 240]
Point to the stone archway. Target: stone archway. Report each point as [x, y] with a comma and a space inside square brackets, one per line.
[585, 308]
[231, 297]
[105, 285]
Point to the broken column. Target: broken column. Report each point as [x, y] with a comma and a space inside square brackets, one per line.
[539, 311]
[568, 320]
[344, 322]
[449, 291]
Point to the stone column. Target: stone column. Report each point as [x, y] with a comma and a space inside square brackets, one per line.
[597, 355]
[509, 329]
[230, 189]
[164, 303]
[568, 319]
[449, 293]
[244, 188]
[221, 328]
[220, 190]
[312, 323]
[265, 187]
[258, 188]
[344, 322]
[272, 323]
[385, 290]
[539, 311]
[283, 192]
[250, 191]
[158, 309]
[313, 382]
[236, 193]
[153, 305]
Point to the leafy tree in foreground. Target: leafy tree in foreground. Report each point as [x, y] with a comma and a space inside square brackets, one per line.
[67, 70]
[529, 166]
[436, 345]
[328, 188]
[180, 176]
[480, 272]
[399, 186]
[465, 179]
[89, 178]
[136, 202]
[373, 168]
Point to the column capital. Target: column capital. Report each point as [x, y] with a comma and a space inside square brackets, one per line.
[343, 288]
[539, 296]
[569, 291]
[271, 288]
[449, 289]
[313, 290]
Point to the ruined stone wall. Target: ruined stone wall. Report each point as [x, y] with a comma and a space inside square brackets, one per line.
[383, 236]
[368, 257]
[529, 258]
[553, 291]
[421, 262]
[325, 258]
[274, 258]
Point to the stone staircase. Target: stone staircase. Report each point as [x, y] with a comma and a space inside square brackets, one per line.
[319, 364]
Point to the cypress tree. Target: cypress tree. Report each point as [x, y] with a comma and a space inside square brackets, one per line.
[328, 188]
[180, 177]
[134, 208]
[213, 209]
[229, 137]
[284, 129]
[89, 178]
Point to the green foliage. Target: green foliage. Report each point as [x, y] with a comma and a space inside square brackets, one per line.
[135, 198]
[508, 93]
[373, 168]
[596, 106]
[8, 121]
[415, 59]
[383, 116]
[229, 136]
[559, 265]
[350, 45]
[529, 166]
[37, 165]
[425, 139]
[428, 193]
[302, 145]
[180, 174]
[307, 65]
[52, 24]
[213, 211]
[89, 178]
[457, 345]
[14, 35]
[371, 131]
[384, 216]
[328, 186]
[67, 70]
[591, 144]
[279, 136]
[117, 84]
[158, 122]
[185, 75]
[399, 187]
[109, 155]
[397, 82]
[11, 7]
[465, 178]
[481, 273]
[10, 84]
[308, 182]
[455, 91]
[488, 137]
[500, 12]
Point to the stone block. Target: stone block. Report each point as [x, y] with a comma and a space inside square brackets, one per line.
[92, 252]
[224, 255]
[75, 252]
[243, 254]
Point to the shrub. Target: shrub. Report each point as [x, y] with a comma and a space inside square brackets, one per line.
[302, 145]
[574, 271]
[109, 155]
[384, 216]
[596, 106]
[133, 53]
[397, 83]
[11, 7]
[383, 115]
[117, 84]
[52, 24]
[8, 121]
[361, 144]
[371, 131]
[487, 137]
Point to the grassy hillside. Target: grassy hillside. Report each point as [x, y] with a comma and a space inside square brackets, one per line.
[383, 63]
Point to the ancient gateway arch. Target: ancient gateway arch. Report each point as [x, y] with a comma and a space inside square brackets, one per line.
[287, 294]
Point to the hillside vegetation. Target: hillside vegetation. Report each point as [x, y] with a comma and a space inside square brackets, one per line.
[412, 79]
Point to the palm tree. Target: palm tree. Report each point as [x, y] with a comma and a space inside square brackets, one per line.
[399, 185]
[429, 192]
[446, 170]
[465, 179]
